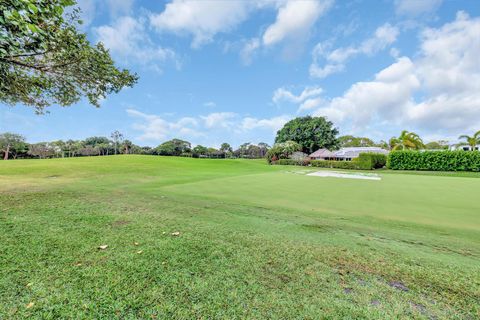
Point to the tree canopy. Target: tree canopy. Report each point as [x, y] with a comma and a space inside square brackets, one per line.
[12, 144]
[45, 60]
[351, 141]
[311, 133]
[174, 147]
[407, 140]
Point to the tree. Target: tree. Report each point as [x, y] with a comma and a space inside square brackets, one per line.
[471, 141]
[226, 148]
[12, 143]
[117, 138]
[437, 145]
[127, 146]
[174, 147]
[311, 133]
[263, 149]
[282, 150]
[351, 141]
[406, 140]
[200, 150]
[42, 150]
[45, 60]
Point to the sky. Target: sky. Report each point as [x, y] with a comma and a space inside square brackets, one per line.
[214, 71]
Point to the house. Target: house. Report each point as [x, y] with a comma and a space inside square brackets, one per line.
[345, 154]
[322, 154]
[454, 147]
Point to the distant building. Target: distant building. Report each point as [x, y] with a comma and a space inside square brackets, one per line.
[345, 154]
[462, 147]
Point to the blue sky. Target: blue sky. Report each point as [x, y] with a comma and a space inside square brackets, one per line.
[218, 71]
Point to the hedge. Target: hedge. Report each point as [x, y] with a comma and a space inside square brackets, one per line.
[293, 162]
[335, 164]
[365, 161]
[434, 160]
[370, 161]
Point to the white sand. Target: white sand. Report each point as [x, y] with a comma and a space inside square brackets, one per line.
[336, 174]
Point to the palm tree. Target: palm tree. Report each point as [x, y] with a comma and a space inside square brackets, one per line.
[407, 140]
[472, 142]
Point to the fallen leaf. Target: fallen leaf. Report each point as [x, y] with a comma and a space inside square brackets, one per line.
[29, 284]
[136, 243]
[78, 264]
[139, 252]
[164, 232]
[175, 234]
[103, 247]
[31, 304]
[164, 262]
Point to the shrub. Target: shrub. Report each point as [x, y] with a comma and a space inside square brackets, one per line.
[335, 164]
[369, 161]
[434, 160]
[282, 151]
[293, 162]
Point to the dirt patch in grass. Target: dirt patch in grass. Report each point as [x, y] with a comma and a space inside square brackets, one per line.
[119, 223]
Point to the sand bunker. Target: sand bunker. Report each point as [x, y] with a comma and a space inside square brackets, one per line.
[336, 174]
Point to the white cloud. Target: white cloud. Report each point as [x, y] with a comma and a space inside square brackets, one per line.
[88, 9]
[120, 7]
[294, 19]
[310, 104]
[210, 104]
[273, 124]
[438, 91]
[416, 7]
[128, 40]
[202, 19]
[155, 128]
[219, 119]
[308, 99]
[205, 19]
[282, 94]
[336, 59]
[248, 50]
[387, 95]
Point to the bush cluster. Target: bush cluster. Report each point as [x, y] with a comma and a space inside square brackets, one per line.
[370, 161]
[434, 160]
[293, 162]
[365, 161]
[335, 164]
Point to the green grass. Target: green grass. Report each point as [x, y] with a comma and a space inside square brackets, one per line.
[255, 242]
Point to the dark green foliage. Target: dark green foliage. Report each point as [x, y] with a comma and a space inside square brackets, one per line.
[370, 161]
[312, 133]
[351, 141]
[293, 162]
[45, 60]
[434, 160]
[437, 145]
[282, 150]
[366, 161]
[335, 164]
[174, 147]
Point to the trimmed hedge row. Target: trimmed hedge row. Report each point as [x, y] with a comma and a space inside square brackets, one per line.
[372, 160]
[365, 161]
[335, 164]
[293, 162]
[434, 160]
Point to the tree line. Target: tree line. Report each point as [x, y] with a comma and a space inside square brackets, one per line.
[302, 134]
[15, 146]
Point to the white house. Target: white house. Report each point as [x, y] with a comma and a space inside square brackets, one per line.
[345, 154]
[462, 147]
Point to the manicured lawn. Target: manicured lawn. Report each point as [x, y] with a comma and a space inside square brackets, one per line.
[255, 241]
